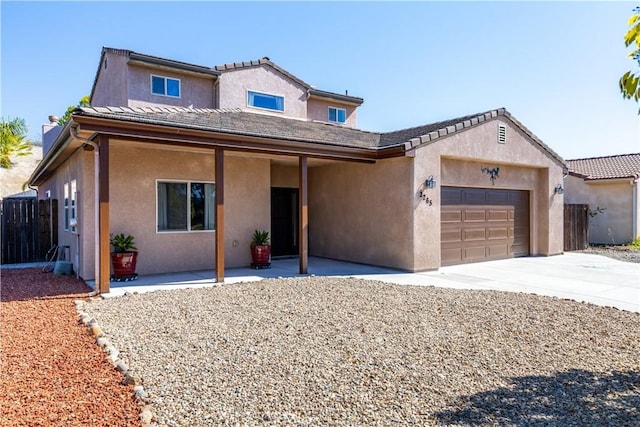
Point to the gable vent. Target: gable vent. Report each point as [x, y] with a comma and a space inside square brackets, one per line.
[502, 133]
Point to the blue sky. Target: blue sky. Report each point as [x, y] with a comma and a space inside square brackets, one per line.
[553, 65]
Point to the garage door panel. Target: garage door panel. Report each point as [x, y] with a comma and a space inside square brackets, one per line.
[473, 234]
[451, 236]
[494, 233]
[474, 253]
[482, 224]
[497, 215]
[498, 251]
[451, 216]
[475, 215]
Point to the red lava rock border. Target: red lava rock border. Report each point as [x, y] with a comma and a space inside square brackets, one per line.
[52, 372]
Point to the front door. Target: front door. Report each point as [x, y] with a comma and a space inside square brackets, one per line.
[284, 221]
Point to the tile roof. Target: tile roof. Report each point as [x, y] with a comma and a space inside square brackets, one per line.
[238, 122]
[609, 167]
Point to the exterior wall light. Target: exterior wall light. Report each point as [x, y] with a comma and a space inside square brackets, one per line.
[558, 189]
[430, 182]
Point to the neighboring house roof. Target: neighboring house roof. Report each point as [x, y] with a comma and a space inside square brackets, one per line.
[23, 195]
[608, 167]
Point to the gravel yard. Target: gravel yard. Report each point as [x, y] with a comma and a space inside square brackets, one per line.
[336, 351]
[621, 253]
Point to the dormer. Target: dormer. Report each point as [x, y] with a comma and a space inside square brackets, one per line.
[132, 79]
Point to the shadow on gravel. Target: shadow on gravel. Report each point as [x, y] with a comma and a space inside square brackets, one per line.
[576, 397]
[23, 284]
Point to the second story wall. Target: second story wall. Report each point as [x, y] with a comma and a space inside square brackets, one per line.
[318, 109]
[234, 86]
[195, 91]
[111, 84]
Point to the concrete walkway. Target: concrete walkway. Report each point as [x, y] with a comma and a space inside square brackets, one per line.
[581, 277]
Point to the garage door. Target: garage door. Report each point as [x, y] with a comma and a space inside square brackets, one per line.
[480, 224]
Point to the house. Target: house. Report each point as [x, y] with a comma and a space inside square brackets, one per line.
[609, 185]
[192, 159]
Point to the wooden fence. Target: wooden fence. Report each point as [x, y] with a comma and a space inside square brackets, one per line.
[576, 227]
[29, 229]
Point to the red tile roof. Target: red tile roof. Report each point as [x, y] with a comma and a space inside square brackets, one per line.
[609, 167]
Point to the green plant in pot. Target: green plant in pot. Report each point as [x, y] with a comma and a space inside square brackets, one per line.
[124, 256]
[260, 249]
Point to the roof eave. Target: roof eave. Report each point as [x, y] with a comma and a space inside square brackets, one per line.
[353, 100]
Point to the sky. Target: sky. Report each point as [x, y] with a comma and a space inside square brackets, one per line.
[553, 65]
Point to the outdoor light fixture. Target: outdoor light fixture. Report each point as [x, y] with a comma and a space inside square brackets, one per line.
[558, 189]
[430, 182]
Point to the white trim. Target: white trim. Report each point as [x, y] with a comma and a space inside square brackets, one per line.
[181, 181]
[337, 108]
[151, 76]
[264, 93]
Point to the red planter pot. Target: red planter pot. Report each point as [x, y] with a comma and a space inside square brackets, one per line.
[124, 263]
[261, 255]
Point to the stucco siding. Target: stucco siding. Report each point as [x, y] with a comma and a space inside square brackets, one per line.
[613, 223]
[234, 85]
[319, 110]
[284, 176]
[458, 161]
[195, 92]
[111, 86]
[362, 212]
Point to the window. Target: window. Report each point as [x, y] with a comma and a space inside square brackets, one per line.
[66, 206]
[73, 218]
[264, 100]
[186, 206]
[165, 86]
[337, 115]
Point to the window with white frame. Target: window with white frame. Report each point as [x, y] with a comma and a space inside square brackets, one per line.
[165, 86]
[66, 206]
[337, 115]
[185, 206]
[73, 194]
[265, 100]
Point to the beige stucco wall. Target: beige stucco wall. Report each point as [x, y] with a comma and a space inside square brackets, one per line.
[234, 85]
[195, 92]
[318, 109]
[457, 161]
[284, 176]
[362, 212]
[614, 225]
[111, 86]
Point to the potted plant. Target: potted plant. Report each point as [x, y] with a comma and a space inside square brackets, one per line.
[124, 256]
[260, 249]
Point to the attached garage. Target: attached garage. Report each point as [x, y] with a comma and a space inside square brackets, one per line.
[481, 224]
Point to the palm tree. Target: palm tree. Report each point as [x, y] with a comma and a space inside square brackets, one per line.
[13, 141]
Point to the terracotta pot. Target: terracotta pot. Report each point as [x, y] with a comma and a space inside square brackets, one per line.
[261, 254]
[124, 263]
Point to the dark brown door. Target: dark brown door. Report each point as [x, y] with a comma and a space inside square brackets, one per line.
[284, 221]
[480, 224]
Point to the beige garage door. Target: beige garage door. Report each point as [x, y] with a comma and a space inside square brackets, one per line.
[480, 224]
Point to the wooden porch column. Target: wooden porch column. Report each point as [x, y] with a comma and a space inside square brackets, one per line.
[303, 234]
[219, 164]
[103, 212]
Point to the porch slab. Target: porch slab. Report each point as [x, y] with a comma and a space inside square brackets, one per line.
[577, 276]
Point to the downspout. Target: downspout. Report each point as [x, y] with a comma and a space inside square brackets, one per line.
[96, 168]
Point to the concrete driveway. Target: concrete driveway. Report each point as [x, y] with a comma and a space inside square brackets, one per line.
[577, 276]
[581, 277]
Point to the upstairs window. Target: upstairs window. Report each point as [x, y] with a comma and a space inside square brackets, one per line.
[265, 100]
[337, 115]
[165, 86]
